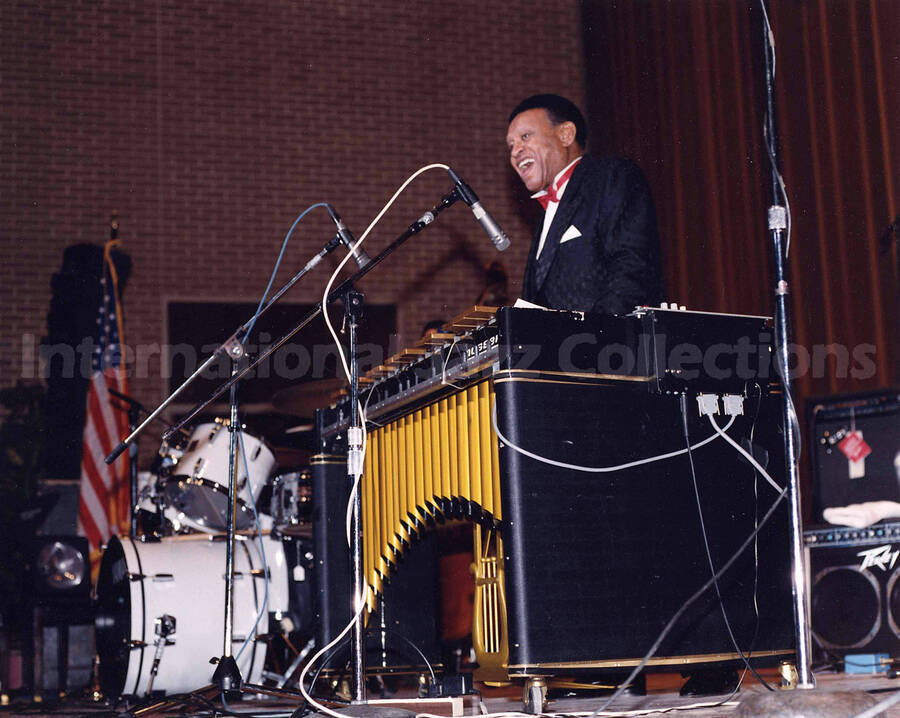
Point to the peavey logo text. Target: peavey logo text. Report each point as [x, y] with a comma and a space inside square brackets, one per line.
[882, 557]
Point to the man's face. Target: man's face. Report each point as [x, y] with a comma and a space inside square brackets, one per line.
[538, 149]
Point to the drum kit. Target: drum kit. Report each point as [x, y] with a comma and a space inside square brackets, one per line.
[160, 593]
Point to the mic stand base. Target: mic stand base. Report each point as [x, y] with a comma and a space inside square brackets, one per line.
[377, 711]
[227, 675]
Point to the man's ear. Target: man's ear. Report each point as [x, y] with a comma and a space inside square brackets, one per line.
[566, 133]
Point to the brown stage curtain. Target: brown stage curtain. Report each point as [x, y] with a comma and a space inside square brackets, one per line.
[678, 86]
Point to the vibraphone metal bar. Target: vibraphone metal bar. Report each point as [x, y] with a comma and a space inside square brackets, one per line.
[446, 463]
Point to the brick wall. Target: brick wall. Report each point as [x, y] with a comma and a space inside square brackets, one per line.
[210, 125]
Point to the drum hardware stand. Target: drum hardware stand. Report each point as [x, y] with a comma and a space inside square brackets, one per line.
[777, 224]
[165, 627]
[291, 673]
[283, 679]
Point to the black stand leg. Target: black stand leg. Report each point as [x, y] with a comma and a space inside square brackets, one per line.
[62, 659]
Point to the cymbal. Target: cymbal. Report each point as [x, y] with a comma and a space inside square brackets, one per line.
[299, 428]
[304, 398]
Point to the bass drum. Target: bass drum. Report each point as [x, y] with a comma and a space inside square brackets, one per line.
[180, 580]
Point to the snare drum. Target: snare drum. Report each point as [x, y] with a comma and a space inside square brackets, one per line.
[179, 583]
[198, 486]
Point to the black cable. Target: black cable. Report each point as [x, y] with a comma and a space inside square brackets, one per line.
[415, 648]
[755, 511]
[331, 653]
[712, 568]
[700, 591]
[325, 659]
[835, 659]
[755, 524]
[370, 634]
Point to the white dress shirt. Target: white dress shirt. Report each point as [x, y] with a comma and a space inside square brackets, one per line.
[550, 212]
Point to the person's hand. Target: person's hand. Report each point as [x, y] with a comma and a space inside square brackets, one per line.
[861, 515]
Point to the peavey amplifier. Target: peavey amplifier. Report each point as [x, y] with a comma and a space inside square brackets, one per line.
[855, 449]
[854, 596]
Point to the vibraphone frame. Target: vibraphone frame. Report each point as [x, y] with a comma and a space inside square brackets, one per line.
[575, 573]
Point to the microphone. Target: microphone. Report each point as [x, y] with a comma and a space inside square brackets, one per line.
[497, 235]
[347, 238]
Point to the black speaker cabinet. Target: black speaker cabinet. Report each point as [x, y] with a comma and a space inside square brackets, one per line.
[59, 636]
[835, 481]
[854, 594]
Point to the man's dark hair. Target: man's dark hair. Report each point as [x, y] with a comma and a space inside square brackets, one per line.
[559, 110]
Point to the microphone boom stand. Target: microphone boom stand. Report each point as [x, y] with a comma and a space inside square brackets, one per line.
[227, 675]
[353, 309]
[337, 293]
[231, 347]
[777, 224]
[353, 306]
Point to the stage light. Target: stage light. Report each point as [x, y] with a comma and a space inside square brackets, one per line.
[61, 566]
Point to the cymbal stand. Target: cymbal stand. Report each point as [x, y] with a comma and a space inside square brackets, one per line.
[134, 411]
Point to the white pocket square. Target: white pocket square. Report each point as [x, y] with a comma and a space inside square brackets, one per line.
[571, 233]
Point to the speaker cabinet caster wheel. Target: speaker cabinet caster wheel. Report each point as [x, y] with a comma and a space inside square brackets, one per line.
[534, 695]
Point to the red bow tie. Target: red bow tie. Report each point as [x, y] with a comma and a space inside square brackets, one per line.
[552, 192]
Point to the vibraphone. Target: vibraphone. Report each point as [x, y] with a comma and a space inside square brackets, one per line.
[575, 572]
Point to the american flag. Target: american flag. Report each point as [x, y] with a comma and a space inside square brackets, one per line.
[103, 504]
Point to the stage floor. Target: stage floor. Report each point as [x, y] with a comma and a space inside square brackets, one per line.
[662, 695]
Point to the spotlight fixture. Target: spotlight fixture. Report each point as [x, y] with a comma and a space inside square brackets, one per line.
[61, 566]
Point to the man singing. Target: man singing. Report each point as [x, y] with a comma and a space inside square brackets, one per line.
[597, 249]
